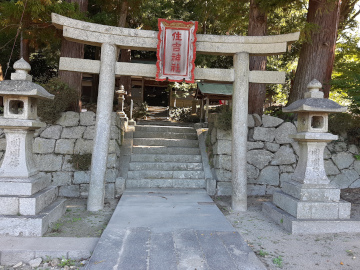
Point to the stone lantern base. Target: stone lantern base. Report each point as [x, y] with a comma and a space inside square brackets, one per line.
[28, 207]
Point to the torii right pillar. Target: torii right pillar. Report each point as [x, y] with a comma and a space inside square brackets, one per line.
[309, 203]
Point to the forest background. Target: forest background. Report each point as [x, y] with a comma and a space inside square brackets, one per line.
[328, 49]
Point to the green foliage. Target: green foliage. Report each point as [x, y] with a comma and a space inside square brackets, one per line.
[49, 111]
[278, 261]
[224, 118]
[345, 122]
[262, 253]
[183, 115]
[80, 162]
[276, 111]
[67, 262]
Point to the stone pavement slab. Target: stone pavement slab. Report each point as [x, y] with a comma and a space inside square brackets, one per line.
[170, 229]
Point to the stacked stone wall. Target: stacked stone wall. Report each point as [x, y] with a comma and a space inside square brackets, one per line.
[272, 156]
[73, 133]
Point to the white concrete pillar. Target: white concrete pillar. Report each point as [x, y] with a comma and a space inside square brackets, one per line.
[207, 109]
[103, 123]
[239, 131]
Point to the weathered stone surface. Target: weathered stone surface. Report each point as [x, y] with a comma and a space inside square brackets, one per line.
[255, 190]
[89, 133]
[82, 177]
[340, 147]
[213, 135]
[73, 132]
[269, 175]
[345, 179]
[330, 168]
[222, 162]
[254, 145]
[327, 153]
[69, 191]
[271, 121]
[112, 161]
[284, 156]
[252, 172]
[110, 175]
[355, 184]
[65, 146]
[272, 147]
[2, 144]
[67, 166]
[61, 178]
[357, 166]
[114, 132]
[223, 135]
[270, 190]
[119, 186]
[286, 168]
[69, 119]
[48, 162]
[285, 177]
[257, 120]
[87, 118]
[264, 134]
[353, 149]
[83, 146]
[113, 146]
[343, 160]
[52, 132]
[110, 191]
[35, 262]
[251, 122]
[39, 131]
[222, 147]
[282, 133]
[295, 146]
[223, 175]
[43, 146]
[259, 158]
[224, 188]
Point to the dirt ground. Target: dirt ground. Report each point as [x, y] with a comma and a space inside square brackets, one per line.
[278, 249]
[78, 222]
[275, 247]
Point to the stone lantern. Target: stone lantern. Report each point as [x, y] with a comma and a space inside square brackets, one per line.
[121, 98]
[27, 203]
[308, 203]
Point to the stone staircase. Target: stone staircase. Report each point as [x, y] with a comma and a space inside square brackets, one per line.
[165, 156]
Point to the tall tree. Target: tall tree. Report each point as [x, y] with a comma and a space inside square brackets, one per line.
[318, 51]
[73, 50]
[257, 27]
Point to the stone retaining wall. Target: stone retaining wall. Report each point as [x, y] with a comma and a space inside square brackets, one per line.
[272, 156]
[73, 133]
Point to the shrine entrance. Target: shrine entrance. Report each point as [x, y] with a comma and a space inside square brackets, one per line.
[111, 39]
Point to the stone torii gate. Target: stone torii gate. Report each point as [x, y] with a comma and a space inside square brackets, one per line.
[110, 39]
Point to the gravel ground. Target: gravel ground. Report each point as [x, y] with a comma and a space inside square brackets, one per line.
[278, 249]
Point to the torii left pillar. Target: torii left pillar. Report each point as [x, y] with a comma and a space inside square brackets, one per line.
[103, 126]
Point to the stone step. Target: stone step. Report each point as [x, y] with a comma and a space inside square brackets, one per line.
[14, 225]
[166, 142]
[164, 129]
[165, 150]
[165, 166]
[165, 158]
[165, 183]
[166, 175]
[29, 205]
[23, 187]
[165, 135]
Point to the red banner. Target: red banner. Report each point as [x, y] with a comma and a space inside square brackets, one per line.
[176, 51]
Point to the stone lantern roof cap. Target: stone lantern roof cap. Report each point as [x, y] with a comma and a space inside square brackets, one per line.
[314, 101]
[23, 88]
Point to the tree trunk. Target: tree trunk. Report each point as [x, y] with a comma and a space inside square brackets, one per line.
[24, 49]
[317, 55]
[125, 54]
[257, 27]
[73, 50]
[1, 74]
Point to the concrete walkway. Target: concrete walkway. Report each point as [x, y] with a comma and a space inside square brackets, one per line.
[154, 229]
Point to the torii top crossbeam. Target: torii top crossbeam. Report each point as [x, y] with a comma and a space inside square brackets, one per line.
[112, 38]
